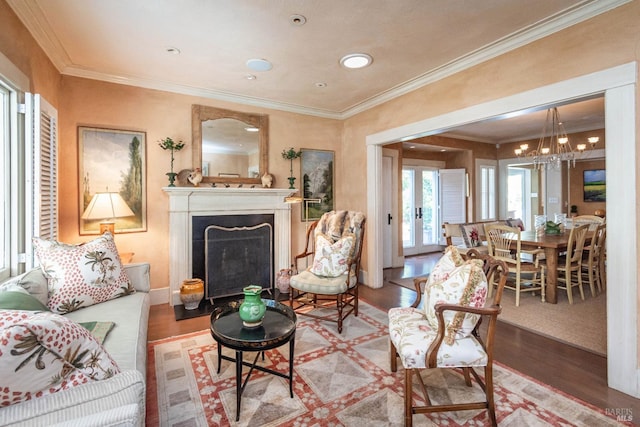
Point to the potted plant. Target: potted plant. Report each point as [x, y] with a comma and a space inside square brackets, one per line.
[170, 144]
[574, 210]
[290, 155]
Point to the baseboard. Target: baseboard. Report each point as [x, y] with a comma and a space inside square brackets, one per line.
[159, 296]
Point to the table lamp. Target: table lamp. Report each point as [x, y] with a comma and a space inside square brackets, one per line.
[106, 207]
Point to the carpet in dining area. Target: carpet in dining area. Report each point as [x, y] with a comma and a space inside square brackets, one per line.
[339, 380]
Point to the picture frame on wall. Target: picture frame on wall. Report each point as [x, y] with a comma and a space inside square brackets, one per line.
[595, 185]
[317, 173]
[112, 168]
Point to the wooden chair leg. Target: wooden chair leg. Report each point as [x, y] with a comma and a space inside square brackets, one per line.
[408, 401]
[467, 376]
[488, 384]
[393, 356]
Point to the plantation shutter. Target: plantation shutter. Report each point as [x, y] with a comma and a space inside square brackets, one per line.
[41, 171]
[453, 186]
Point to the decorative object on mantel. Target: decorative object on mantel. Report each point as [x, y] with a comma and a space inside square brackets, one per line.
[170, 144]
[195, 177]
[182, 178]
[284, 279]
[191, 293]
[267, 180]
[252, 309]
[291, 155]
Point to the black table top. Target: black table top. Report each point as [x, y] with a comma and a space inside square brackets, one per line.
[278, 326]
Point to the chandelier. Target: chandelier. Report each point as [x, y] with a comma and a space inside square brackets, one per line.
[554, 146]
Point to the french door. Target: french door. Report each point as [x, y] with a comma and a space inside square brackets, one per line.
[420, 225]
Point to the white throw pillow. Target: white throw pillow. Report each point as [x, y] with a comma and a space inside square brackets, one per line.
[466, 286]
[42, 353]
[450, 260]
[331, 258]
[82, 275]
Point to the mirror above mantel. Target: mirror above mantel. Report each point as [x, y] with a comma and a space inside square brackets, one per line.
[230, 147]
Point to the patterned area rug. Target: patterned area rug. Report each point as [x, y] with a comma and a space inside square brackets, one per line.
[339, 380]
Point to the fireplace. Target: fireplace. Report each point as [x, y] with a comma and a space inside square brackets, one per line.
[231, 252]
[186, 204]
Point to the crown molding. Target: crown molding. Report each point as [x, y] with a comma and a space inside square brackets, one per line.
[35, 20]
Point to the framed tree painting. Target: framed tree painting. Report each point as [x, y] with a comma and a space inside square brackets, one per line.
[317, 183]
[595, 185]
[112, 162]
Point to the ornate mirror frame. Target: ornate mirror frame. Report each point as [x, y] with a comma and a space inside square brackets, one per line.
[202, 113]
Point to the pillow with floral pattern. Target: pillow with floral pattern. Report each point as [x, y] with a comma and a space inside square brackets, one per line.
[42, 353]
[82, 275]
[450, 260]
[331, 258]
[471, 235]
[466, 286]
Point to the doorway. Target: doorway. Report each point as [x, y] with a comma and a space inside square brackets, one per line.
[419, 210]
[619, 86]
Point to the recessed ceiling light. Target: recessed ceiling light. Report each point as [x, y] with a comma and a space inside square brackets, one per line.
[251, 129]
[297, 20]
[173, 50]
[259, 65]
[443, 150]
[356, 60]
[250, 77]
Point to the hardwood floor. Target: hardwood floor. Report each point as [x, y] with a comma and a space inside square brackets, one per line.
[574, 371]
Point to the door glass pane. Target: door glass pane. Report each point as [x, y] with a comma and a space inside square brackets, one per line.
[408, 208]
[429, 203]
[515, 193]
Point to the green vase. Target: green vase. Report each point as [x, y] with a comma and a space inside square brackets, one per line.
[252, 309]
[172, 178]
[292, 180]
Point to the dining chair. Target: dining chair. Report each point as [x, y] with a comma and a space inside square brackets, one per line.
[446, 333]
[593, 260]
[504, 243]
[570, 265]
[334, 247]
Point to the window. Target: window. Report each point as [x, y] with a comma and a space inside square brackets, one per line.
[5, 166]
[28, 165]
[486, 190]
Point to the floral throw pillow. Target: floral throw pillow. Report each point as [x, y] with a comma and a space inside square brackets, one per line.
[331, 258]
[82, 275]
[42, 353]
[450, 260]
[471, 235]
[466, 286]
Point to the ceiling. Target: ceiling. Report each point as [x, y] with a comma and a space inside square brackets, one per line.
[412, 42]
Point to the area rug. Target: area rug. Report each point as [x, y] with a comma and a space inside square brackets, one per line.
[339, 380]
[582, 324]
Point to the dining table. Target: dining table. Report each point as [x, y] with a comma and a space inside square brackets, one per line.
[553, 245]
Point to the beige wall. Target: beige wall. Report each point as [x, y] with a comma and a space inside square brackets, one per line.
[602, 42]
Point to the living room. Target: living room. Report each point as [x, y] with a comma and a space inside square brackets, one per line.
[518, 79]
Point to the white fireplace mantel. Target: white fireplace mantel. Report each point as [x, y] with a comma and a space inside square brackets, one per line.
[187, 202]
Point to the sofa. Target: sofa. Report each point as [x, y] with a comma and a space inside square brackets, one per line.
[115, 401]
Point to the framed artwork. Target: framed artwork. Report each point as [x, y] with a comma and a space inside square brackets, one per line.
[317, 183]
[595, 185]
[112, 162]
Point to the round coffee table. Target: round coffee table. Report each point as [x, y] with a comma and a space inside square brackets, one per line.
[278, 328]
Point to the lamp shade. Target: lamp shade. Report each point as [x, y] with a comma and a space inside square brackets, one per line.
[106, 207]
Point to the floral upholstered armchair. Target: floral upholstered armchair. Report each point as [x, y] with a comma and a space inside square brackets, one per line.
[334, 247]
[445, 333]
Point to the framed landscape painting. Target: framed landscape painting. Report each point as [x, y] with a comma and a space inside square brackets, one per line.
[595, 185]
[112, 161]
[317, 183]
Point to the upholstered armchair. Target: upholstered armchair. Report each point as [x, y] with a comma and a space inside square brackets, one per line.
[330, 281]
[446, 332]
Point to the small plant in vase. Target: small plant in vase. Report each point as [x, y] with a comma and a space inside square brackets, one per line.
[291, 155]
[170, 144]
